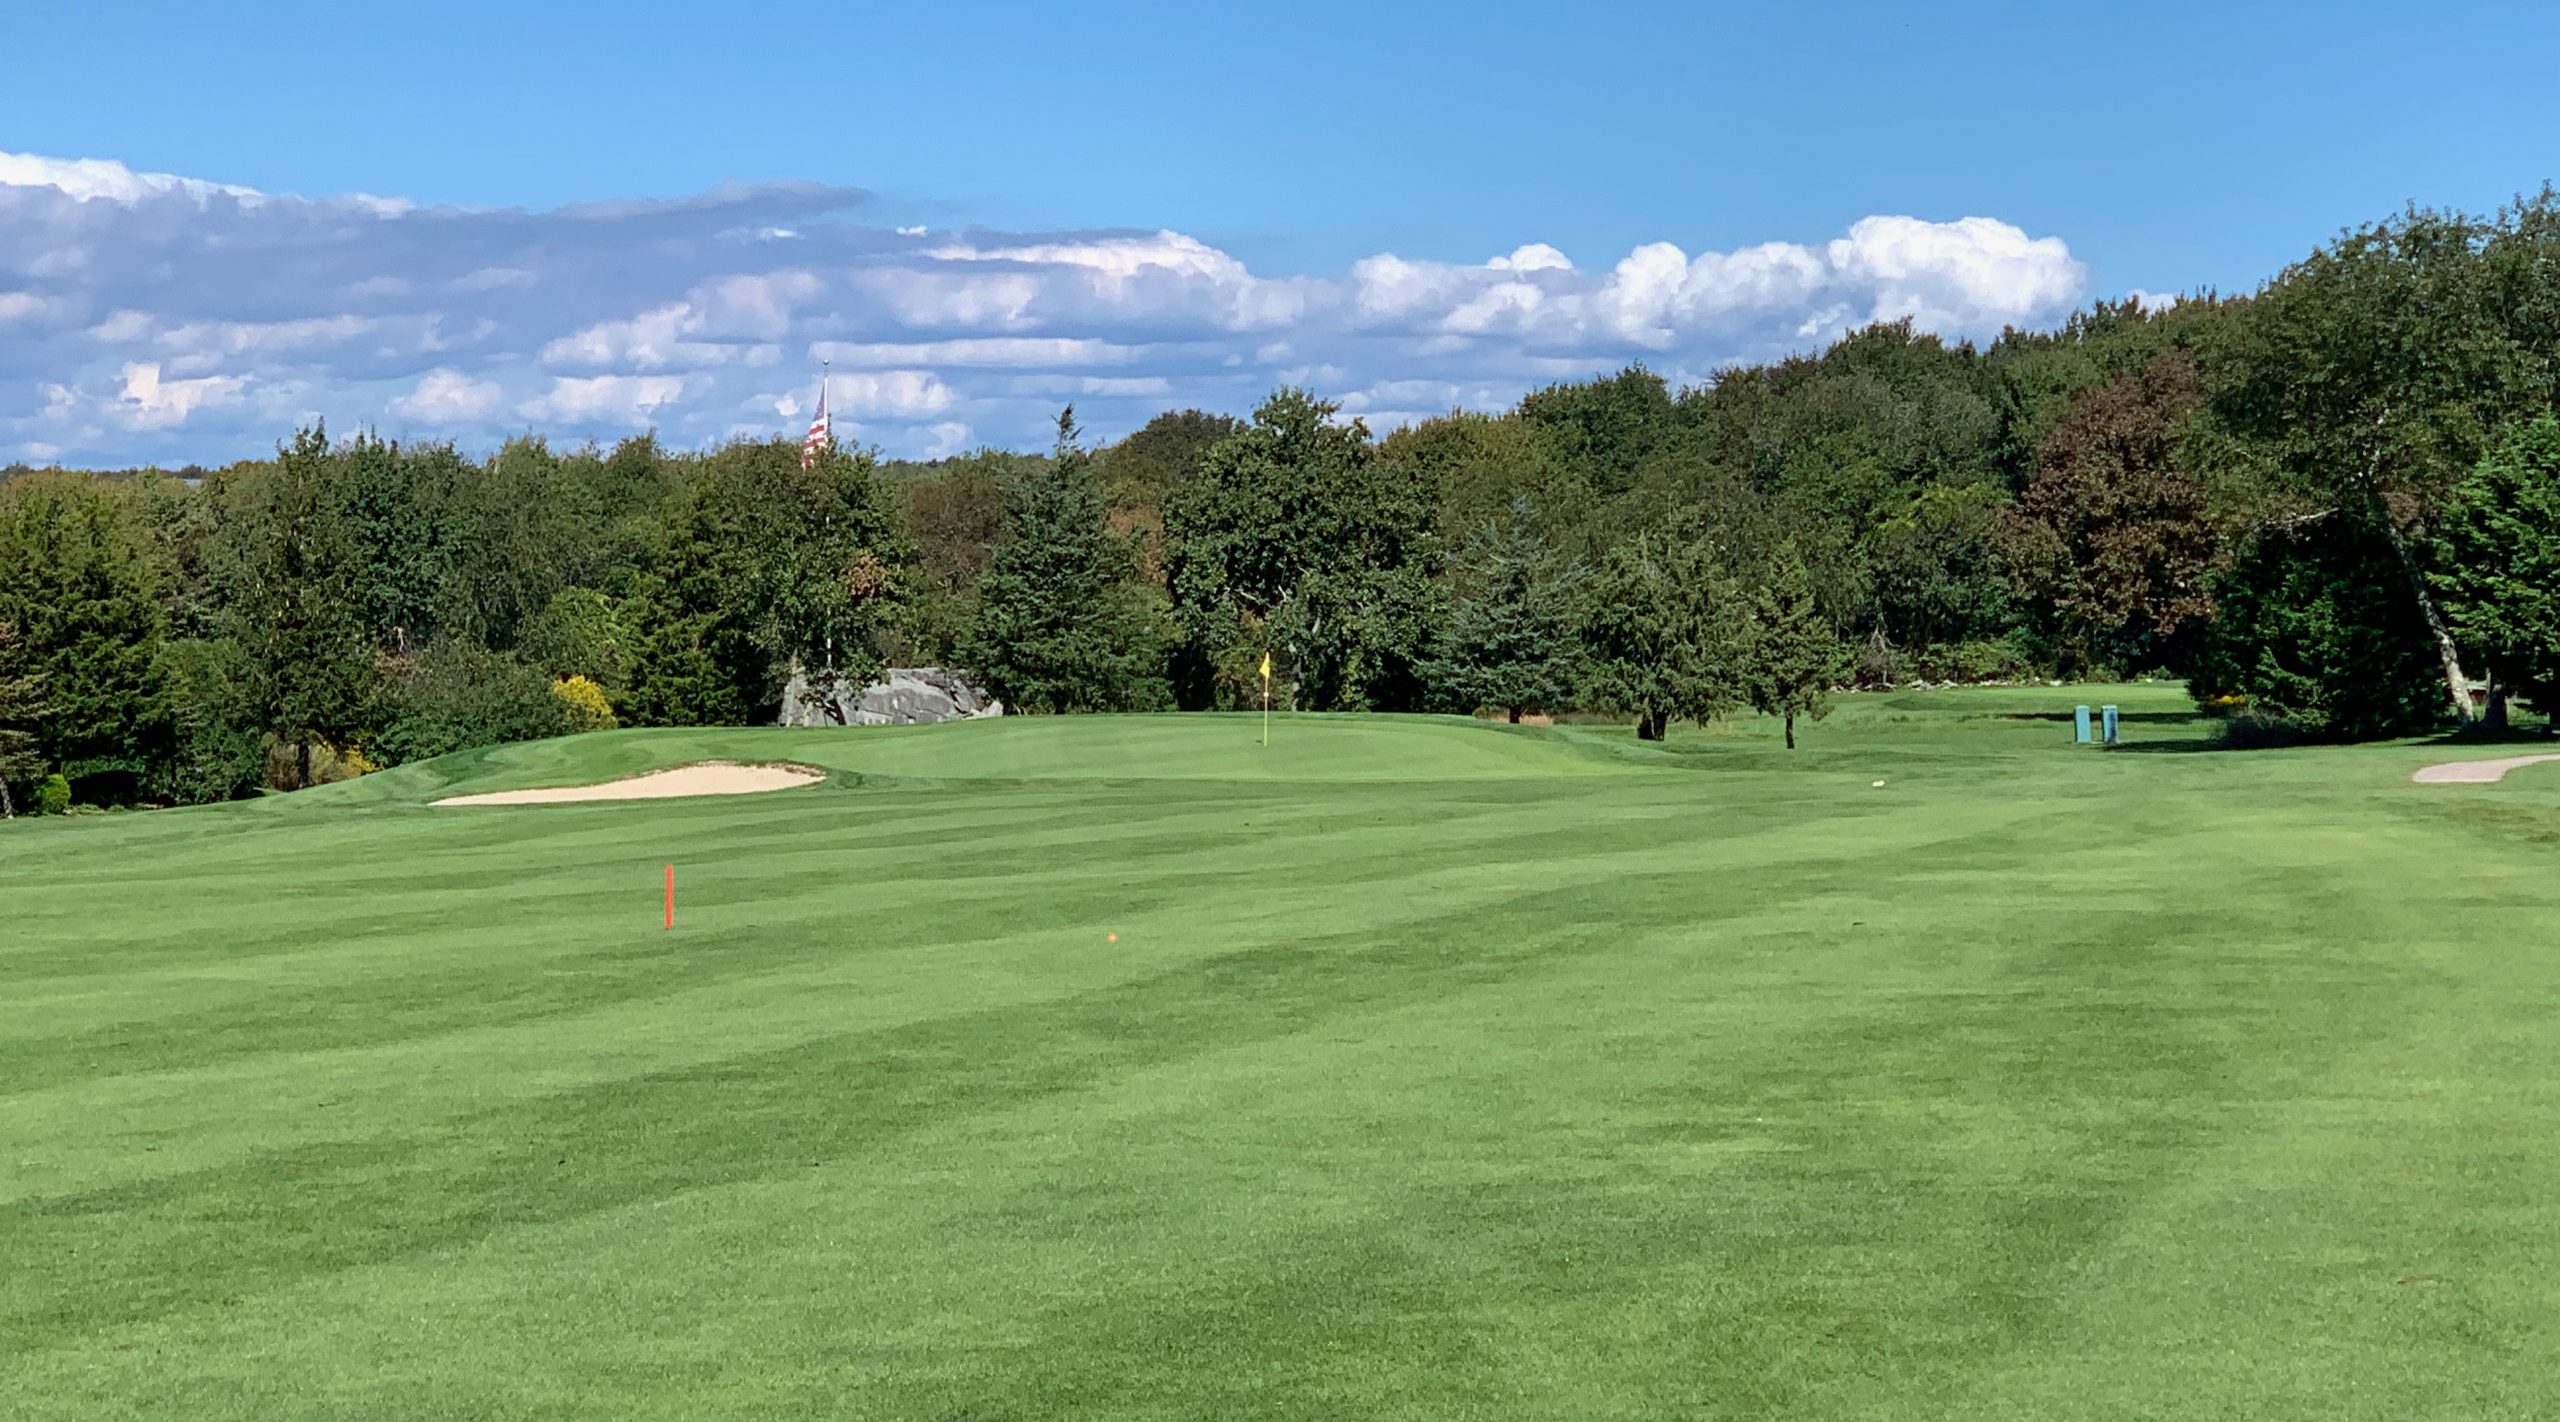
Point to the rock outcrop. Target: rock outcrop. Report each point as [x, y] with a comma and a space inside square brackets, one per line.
[908, 696]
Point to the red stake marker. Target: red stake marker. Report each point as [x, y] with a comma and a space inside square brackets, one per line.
[671, 896]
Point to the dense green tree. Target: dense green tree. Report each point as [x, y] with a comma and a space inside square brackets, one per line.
[1476, 467]
[22, 711]
[697, 658]
[764, 567]
[579, 632]
[396, 501]
[1513, 635]
[1663, 634]
[2365, 380]
[297, 613]
[954, 519]
[1931, 564]
[2496, 562]
[511, 539]
[2317, 630]
[457, 695]
[2039, 377]
[1294, 532]
[1061, 623]
[841, 571]
[1140, 472]
[220, 750]
[1603, 428]
[77, 582]
[1792, 655]
[1357, 638]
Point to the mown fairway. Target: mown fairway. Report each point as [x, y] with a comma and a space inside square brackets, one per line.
[1439, 1070]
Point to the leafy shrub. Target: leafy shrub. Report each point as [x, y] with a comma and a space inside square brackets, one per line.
[458, 696]
[282, 764]
[2255, 730]
[583, 705]
[1993, 659]
[54, 797]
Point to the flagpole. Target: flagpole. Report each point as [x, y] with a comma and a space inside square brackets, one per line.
[1266, 701]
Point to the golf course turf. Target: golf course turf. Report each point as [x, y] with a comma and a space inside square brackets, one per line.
[1439, 1069]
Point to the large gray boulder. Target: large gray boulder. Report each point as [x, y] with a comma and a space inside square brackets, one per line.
[906, 696]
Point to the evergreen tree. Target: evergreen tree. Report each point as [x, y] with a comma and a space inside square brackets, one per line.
[2497, 561]
[1513, 639]
[694, 661]
[1793, 653]
[1662, 635]
[79, 587]
[298, 615]
[220, 744]
[1058, 626]
[21, 711]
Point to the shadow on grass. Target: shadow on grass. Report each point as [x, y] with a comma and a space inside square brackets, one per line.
[2532, 737]
[2542, 737]
[2130, 718]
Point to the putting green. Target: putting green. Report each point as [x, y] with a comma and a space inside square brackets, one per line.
[1436, 1070]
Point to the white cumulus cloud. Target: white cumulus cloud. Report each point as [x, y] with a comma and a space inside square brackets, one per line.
[444, 398]
[150, 316]
[623, 402]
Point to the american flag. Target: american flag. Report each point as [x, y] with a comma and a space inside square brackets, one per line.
[822, 432]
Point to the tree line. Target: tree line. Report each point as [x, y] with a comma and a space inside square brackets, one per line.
[2332, 504]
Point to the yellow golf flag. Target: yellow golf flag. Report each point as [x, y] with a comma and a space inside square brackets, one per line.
[1266, 666]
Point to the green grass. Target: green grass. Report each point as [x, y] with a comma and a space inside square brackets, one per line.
[1439, 1070]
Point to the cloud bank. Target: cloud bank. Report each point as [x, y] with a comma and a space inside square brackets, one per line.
[145, 316]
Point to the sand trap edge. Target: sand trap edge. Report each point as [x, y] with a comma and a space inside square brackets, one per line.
[682, 782]
[2475, 772]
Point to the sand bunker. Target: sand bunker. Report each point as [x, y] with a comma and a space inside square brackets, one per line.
[709, 778]
[2475, 772]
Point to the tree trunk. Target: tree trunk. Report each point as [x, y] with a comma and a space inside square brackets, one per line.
[1515, 715]
[8, 807]
[2457, 686]
[1791, 730]
[2496, 719]
[1649, 725]
[302, 765]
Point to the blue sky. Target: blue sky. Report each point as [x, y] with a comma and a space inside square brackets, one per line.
[1140, 205]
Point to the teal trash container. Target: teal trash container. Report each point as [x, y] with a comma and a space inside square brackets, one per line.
[2108, 726]
[2080, 724]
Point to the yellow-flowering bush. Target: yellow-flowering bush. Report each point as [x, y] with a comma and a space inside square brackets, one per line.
[584, 704]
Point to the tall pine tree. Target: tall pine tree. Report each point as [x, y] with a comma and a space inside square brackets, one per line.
[1793, 654]
[1663, 634]
[79, 586]
[21, 710]
[2497, 562]
[1059, 625]
[1513, 639]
